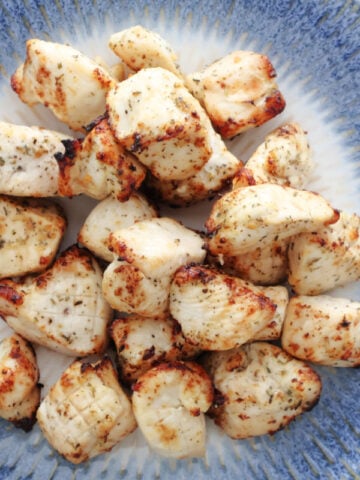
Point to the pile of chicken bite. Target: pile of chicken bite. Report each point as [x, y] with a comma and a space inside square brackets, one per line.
[224, 322]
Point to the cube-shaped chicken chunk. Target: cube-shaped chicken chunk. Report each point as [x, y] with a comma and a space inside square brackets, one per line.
[324, 330]
[19, 388]
[325, 258]
[60, 77]
[217, 311]
[140, 48]
[257, 216]
[142, 343]
[28, 166]
[238, 92]
[109, 216]
[169, 402]
[261, 389]
[62, 308]
[86, 412]
[30, 234]
[155, 117]
[283, 158]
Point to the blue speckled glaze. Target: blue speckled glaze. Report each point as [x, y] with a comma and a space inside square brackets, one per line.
[319, 41]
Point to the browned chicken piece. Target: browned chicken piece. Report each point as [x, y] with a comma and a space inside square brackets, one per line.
[257, 216]
[19, 388]
[279, 295]
[62, 308]
[212, 177]
[325, 258]
[109, 216]
[30, 234]
[238, 92]
[142, 343]
[261, 389]
[155, 117]
[86, 412]
[217, 311]
[146, 256]
[324, 330]
[141, 48]
[262, 266]
[98, 166]
[169, 402]
[283, 158]
[72, 85]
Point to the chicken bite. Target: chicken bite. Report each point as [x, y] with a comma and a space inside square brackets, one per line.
[146, 256]
[30, 234]
[238, 92]
[217, 311]
[109, 216]
[324, 330]
[325, 258]
[142, 343]
[169, 401]
[28, 166]
[72, 85]
[62, 308]
[257, 216]
[212, 177]
[86, 412]
[261, 389]
[19, 388]
[99, 166]
[155, 117]
[283, 158]
[141, 48]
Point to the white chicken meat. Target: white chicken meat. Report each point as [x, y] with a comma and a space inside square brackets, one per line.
[169, 402]
[60, 77]
[19, 388]
[86, 412]
[251, 217]
[261, 389]
[325, 258]
[109, 216]
[142, 343]
[238, 92]
[141, 48]
[146, 256]
[30, 234]
[62, 308]
[323, 329]
[155, 117]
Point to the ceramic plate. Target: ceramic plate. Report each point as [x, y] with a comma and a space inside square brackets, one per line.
[315, 48]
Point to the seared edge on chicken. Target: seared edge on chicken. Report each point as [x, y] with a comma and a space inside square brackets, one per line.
[19, 375]
[109, 216]
[217, 311]
[147, 254]
[323, 330]
[141, 343]
[27, 160]
[283, 158]
[279, 295]
[212, 177]
[99, 166]
[257, 216]
[260, 389]
[140, 48]
[60, 77]
[169, 401]
[62, 308]
[325, 258]
[30, 234]
[238, 92]
[155, 117]
[86, 412]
